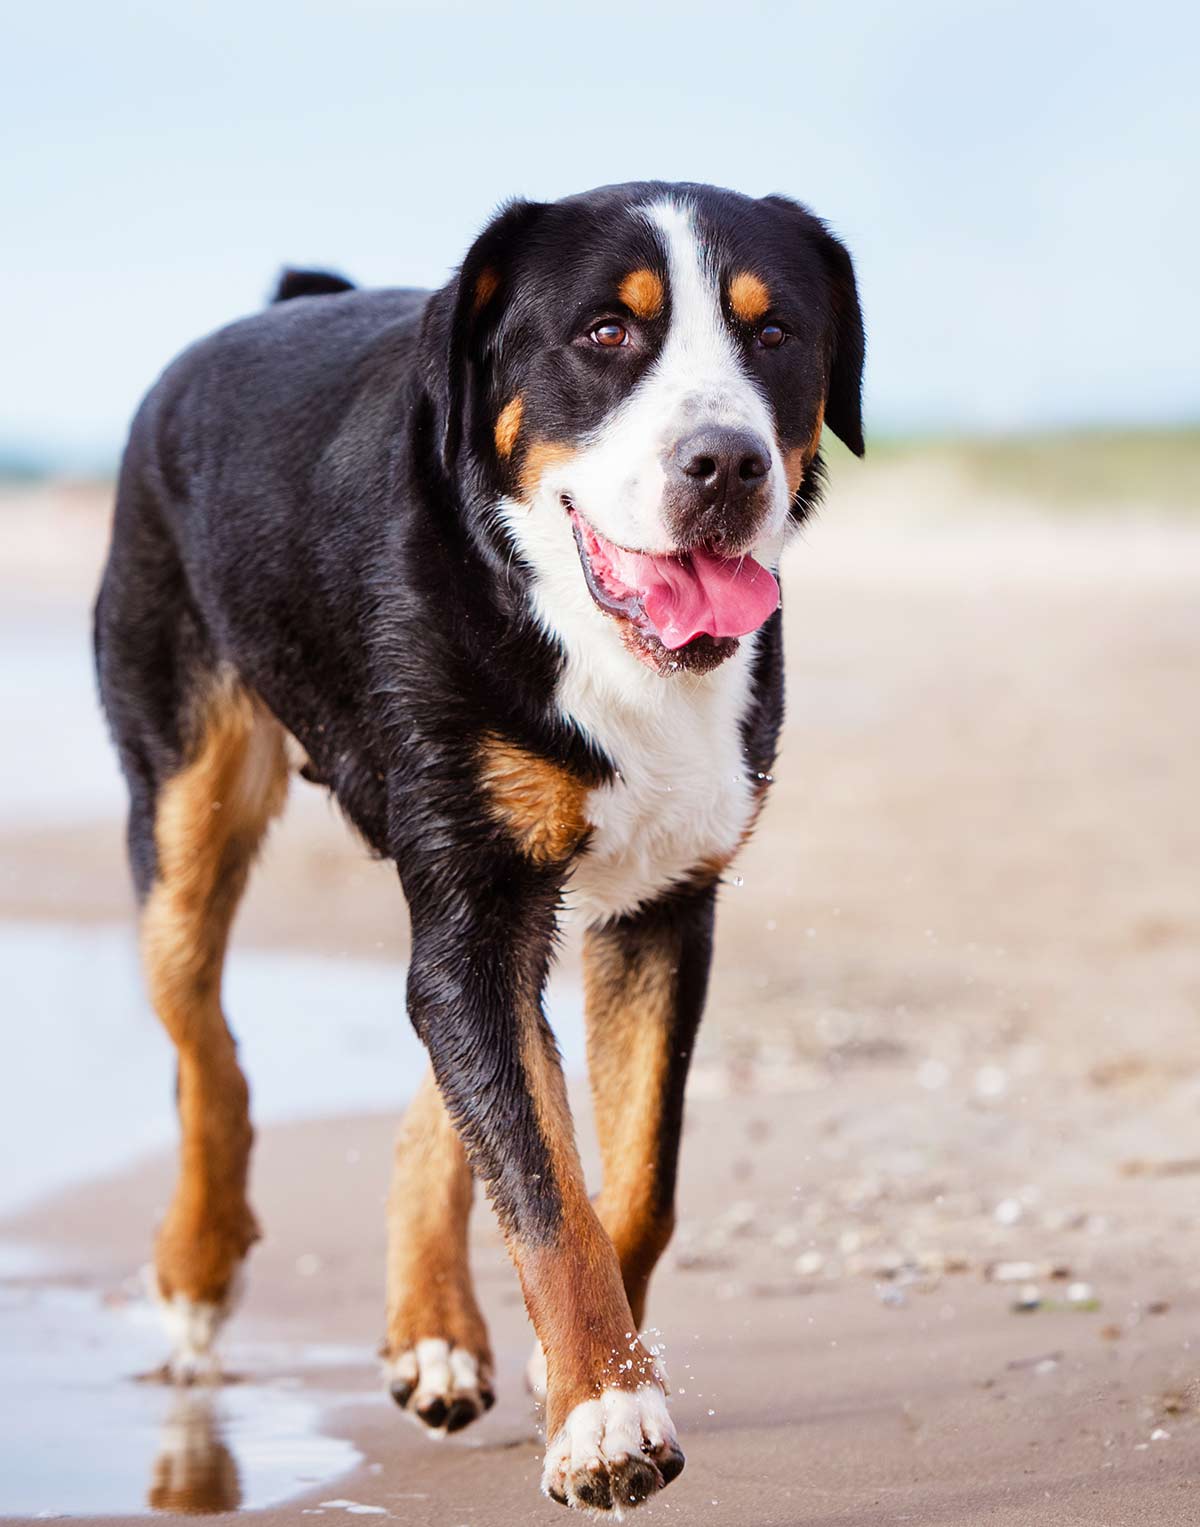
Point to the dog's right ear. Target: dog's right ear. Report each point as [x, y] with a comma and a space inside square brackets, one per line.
[461, 323]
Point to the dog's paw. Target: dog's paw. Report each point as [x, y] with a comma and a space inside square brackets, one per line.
[443, 1387]
[613, 1452]
[193, 1326]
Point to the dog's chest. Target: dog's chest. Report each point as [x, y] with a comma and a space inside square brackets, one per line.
[681, 799]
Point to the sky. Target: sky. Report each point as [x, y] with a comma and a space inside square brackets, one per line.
[1017, 182]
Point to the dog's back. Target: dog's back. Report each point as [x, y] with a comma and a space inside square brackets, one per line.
[257, 449]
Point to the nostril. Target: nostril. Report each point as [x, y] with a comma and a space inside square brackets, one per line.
[753, 467]
[701, 466]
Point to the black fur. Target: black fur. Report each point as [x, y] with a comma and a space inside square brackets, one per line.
[305, 499]
[309, 283]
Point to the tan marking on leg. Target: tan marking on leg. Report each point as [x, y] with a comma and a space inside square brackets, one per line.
[210, 819]
[748, 296]
[541, 457]
[541, 804]
[429, 1289]
[487, 284]
[629, 1002]
[642, 293]
[508, 426]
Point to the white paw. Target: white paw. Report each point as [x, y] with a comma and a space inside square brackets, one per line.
[535, 1374]
[192, 1325]
[613, 1452]
[444, 1388]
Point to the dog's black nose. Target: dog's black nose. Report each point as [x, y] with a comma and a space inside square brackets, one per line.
[713, 473]
[722, 463]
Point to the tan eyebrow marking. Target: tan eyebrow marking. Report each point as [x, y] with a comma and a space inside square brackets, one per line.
[642, 293]
[487, 283]
[508, 426]
[748, 296]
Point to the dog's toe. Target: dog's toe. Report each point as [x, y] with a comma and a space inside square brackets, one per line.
[442, 1387]
[614, 1452]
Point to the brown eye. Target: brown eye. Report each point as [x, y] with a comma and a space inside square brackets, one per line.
[770, 336]
[609, 334]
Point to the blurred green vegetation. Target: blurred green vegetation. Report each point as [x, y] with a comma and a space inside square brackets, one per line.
[1072, 469]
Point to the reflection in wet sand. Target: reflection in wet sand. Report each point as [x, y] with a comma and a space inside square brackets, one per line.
[68, 1377]
[195, 1471]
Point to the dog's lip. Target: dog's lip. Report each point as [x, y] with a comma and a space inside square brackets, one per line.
[629, 609]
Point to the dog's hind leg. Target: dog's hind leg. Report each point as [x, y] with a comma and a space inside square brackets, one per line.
[437, 1357]
[645, 979]
[208, 819]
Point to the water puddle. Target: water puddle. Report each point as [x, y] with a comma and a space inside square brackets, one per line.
[318, 1037]
[82, 1436]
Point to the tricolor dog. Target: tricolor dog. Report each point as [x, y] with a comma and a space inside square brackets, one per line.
[496, 566]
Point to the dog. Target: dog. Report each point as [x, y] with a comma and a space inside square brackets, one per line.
[495, 565]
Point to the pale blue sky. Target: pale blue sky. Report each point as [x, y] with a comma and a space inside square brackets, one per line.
[1017, 181]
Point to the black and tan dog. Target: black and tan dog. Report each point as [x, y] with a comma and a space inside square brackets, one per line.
[494, 565]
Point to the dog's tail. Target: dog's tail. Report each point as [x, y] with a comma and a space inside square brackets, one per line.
[309, 283]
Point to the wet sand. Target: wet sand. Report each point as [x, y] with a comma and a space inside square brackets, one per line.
[953, 1027]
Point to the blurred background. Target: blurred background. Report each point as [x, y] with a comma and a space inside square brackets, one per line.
[966, 932]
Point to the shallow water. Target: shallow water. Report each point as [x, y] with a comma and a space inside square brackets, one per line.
[57, 765]
[81, 1435]
[90, 1086]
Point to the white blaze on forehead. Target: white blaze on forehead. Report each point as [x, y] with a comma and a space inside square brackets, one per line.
[618, 476]
[700, 366]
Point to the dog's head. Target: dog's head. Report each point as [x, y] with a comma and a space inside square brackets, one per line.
[638, 378]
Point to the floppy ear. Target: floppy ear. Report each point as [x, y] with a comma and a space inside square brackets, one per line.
[843, 403]
[843, 406]
[462, 320]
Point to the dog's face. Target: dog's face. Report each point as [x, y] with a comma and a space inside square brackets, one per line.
[644, 373]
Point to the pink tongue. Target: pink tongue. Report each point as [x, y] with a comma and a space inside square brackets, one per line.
[715, 595]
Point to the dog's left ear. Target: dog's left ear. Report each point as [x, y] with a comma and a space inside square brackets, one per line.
[460, 326]
[843, 404]
[843, 407]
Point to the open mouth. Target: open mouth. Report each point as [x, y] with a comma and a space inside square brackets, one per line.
[673, 601]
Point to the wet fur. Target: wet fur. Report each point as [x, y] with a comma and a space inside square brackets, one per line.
[310, 543]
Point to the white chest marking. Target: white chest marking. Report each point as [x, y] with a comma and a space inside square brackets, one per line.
[681, 795]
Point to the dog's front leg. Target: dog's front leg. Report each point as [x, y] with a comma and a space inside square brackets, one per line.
[481, 949]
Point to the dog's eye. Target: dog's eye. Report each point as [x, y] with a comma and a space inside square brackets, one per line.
[771, 336]
[609, 334]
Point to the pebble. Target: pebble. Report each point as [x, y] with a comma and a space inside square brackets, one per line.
[1011, 1272]
[933, 1074]
[991, 1082]
[809, 1263]
[1008, 1211]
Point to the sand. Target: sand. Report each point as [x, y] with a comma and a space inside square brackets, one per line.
[953, 1026]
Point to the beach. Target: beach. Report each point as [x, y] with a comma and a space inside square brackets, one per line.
[938, 1215]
